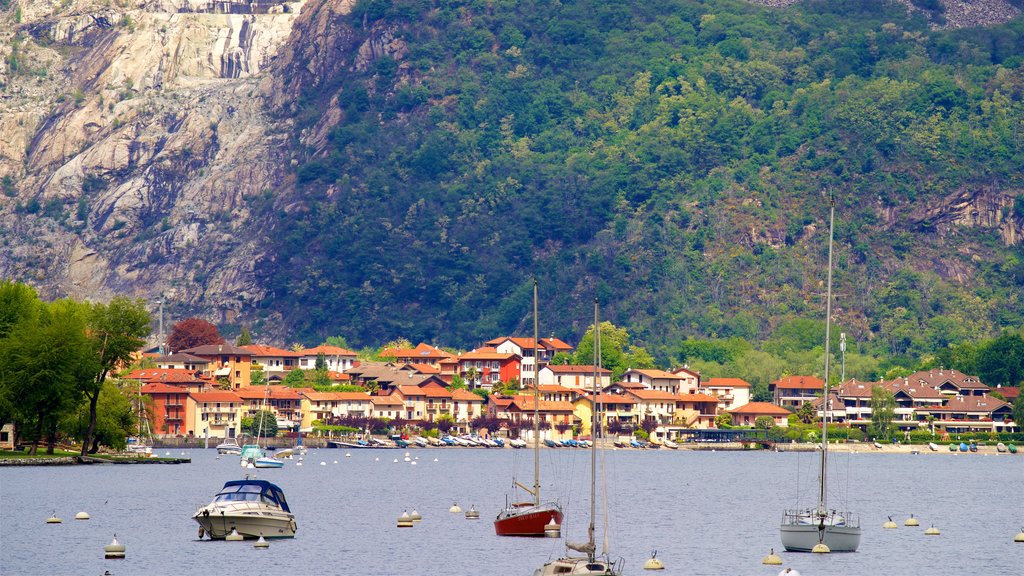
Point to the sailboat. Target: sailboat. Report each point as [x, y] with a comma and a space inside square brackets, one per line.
[252, 454]
[530, 518]
[139, 444]
[588, 563]
[822, 529]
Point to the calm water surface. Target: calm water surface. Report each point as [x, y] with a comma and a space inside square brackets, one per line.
[713, 513]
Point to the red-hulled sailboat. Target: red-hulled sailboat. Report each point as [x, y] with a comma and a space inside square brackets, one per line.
[531, 518]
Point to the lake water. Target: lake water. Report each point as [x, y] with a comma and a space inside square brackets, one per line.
[713, 513]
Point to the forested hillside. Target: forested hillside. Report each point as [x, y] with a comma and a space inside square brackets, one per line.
[673, 158]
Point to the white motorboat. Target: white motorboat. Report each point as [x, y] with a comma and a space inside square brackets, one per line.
[421, 441]
[229, 446]
[670, 444]
[933, 446]
[252, 456]
[252, 507]
[821, 529]
[517, 443]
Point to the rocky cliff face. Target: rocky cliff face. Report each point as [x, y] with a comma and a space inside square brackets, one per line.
[132, 136]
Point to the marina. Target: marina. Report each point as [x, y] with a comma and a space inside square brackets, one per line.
[704, 512]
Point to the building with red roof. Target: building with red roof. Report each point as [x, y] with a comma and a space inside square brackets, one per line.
[795, 391]
[747, 414]
[217, 413]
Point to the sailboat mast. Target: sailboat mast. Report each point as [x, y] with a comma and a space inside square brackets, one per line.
[828, 324]
[536, 406]
[593, 433]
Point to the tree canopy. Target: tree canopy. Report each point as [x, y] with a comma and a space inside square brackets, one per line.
[192, 332]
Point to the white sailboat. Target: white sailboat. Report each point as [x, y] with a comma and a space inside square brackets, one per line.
[822, 529]
[532, 517]
[140, 444]
[588, 562]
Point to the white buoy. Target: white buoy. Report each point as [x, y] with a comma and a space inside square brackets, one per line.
[322, 463]
[335, 461]
[789, 572]
[53, 519]
[406, 454]
[396, 461]
[911, 521]
[772, 559]
[932, 531]
[552, 529]
[348, 454]
[167, 453]
[890, 524]
[821, 548]
[413, 463]
[234, 536]
[376, 459]
[113, 550]
[415, 516]
[261, 543]
[298, 463]
[653, 563]
[82, 516]
[472, 513]
[407, 459]
[1020, 536]
[455, 509]
[405, 521]
[435, 459]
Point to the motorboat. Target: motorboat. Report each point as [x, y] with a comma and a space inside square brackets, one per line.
[229, 446]
[252, 456]
[670, 444]
[517, 443]
[933, 446]
[963, 447]
[421, 441]
[251, 507]
[1000, 447]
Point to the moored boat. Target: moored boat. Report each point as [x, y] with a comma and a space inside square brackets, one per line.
[963, 447]
[252, 507]
[229, 446]
[1000, 447]
[933, 446]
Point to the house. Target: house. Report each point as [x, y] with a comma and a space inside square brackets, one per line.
[323, 406]
[795, 391]
[336, 358]
[217, 413]
[690, 380]
[730, 392]
[747, 414]
[524, 347]
[385, 376]
[659, 380]
[971, 414]
[485, 367]
[169, 408]
[274, 362]
[575, 376]
[389, 407]
[226, 362]
[552, 392]
[950, 382]
[284, 402]
[694, 411]
[615, 411]
[421, 354]
[466, 406]
[425, 403]
[1009, 393]
[556, 418]
[623, 387]
[188, 380]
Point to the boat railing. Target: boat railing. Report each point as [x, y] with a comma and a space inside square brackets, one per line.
[255, 506]
[810, 516]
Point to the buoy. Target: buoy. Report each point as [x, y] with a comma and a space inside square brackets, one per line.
[348, 454]
[405, 521]
[455, 509]
[552, 529]
[653, 563]
[435, 459]
[890, 524]
[234, 536]
[472, 513]
[911, 521]
[322, 463]
[376, 459]
[789, 572]
[413, 463]
[415, 516]
[53, 519]
[933, 531]
[821, 548]
[1020, 536]
[772, 559]
[82, 516]
[167, 453]
[261, 543]
[335, 461]
[406, 454]
[407, 459]
[113, 550]
[396, 461]
[298, 463]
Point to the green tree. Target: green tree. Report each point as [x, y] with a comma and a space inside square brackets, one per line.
[458, 382]
[257, 377]
[883, 410]
[116, 418]
[262, 424]
[1001, 361]
[806, 413]
[723, 420]
[338, 341]
[616, 353]
[764, 423]
[245, 337]
[1018, 412]
[117, 330]
[321, 361]
[295, 378]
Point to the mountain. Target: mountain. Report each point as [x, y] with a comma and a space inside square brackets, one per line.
[380, 168]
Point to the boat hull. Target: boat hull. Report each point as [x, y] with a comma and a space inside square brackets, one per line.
[580, 566]
[527, 521]
[803, 537]
[250, 523]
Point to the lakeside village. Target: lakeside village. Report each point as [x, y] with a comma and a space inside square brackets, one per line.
[202, 394]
